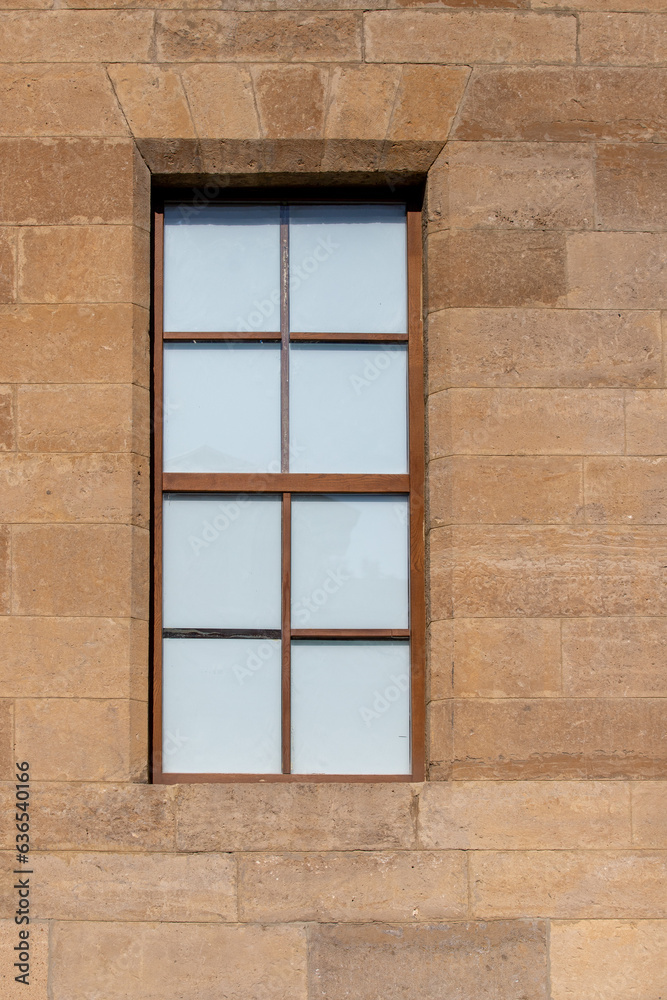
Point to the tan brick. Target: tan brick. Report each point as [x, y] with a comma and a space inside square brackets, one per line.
[300, 816]
[153, 100]
[74, 488]
[7, 741]
[57, 657]
[617, 270]
[427, 101]
[495, 269]
[73, 569]
[440, 659]
[524, 815]
[568, 884]
[7, 265]
[39, 958]
[103, 817]
[362, 101]
[537, 421]
[77, 418]
[533, 489]
[353, 886]
[631, 186]
[215, 36]
[7, 418]
[71, 100]
[465, 36]
[439, 425]
[620, 657]
[74, 343]
[440, 573]
[611, 958]
[564, 104]
[503, 959]
[646, 422]
[5, 570]
[560, 738]
[506, 658]
[521, 185]
[74, 739]
[221, 101]
[649, 802]
[544, 347]
[75, 36]
[623, 39]
[290, 100]
[151, 960]
[101, 264]
[114, 886]
[626, 490]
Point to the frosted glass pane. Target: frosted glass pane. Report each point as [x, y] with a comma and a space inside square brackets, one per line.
[349, 562]
[221, 706]
[348, 269]
[348, 408]
[351, 707]
[221, 562]
[222, 408]
[221, 268]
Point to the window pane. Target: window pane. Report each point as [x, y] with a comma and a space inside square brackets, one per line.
[348, 408]
[221, 408]
[221, 268]
[221, 562]
[348, 269]
[350, 707]
[221, 705]
[350, 562]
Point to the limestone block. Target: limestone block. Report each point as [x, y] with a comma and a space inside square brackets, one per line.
[621, 657]
[537, 421]
[524, 815]
[75, 36]
[7, 265]
[5, 569]
[39, 958]
[560, 738]
[649, 801]
[646, 422]
[530, 489]
[221, 100]
[290, 99]
[7, 418]
[439, 740]
[440, 660]
[617, 270]
[466, 36]
[7, 743]
[626, 490]
[439, 414]
[506, 658]
[362, 101]
[631, 185]
[623, 39]
[153, 100]
[441, 556]
[76, 418]
[439, 492]
[427, 101]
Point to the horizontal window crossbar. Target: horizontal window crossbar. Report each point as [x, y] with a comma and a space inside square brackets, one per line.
[221, 633]
[275, 336]
[295, 633]
[282, 482]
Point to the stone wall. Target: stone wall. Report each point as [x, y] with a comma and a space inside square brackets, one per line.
[531, 865]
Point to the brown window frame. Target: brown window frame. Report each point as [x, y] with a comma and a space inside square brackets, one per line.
[286, 483]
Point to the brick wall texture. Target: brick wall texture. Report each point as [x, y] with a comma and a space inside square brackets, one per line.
[532, 864]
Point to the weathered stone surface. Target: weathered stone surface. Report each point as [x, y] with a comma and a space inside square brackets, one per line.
[623, 39]
[153, 100]
[601, 5]
[568, 884]
[554, 570]
[353, 886]
[76, 418]
[7, 743]
[621, 657]
[631, 186]
[611, 958]
[221, 101]
[560, 738]
[39, 959]
[440, 591]
[564, 104]
[427, 101]
[440, 659]
[506, 658]
[71, 100]
[524, 815]
[7, 418]
[290, 100]
[626, 490]
[617, 270]
[5, 570]
[646, 422]
[505, 960]
[499, 490]
[489, 268]
[268, 37]
[649, 802]
[149, 961]
[439, 740]
[56, 657]
[362, 101]
[72, 569]
[510, 185]
[465, 36]
[114, 886]
[537, 421]
[74, 739]
[439, 492]
[90, 816]
[7, 265]
[300, 816]
[71, 36]
[544, 347]
[439, 425]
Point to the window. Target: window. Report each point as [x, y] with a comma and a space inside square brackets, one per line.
[288, 590]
